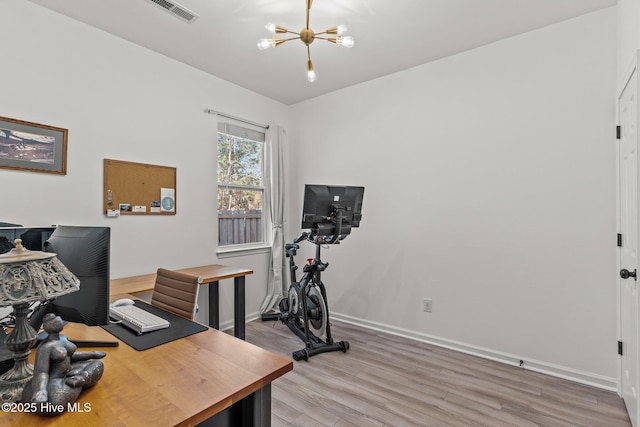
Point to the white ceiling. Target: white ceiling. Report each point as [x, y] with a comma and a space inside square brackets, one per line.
[390, 36]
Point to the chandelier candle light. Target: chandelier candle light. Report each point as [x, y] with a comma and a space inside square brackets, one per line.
[307, 36]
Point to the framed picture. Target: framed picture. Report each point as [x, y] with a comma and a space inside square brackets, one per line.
[32, 147]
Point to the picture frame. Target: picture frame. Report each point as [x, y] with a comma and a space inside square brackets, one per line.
[32, 147]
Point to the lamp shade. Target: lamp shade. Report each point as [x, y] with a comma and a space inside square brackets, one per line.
[29, 276]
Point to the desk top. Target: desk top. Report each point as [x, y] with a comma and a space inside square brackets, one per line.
[145, 282]
[179, 383]
[211, 273]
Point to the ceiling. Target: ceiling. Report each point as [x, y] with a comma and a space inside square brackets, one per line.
[390, 36]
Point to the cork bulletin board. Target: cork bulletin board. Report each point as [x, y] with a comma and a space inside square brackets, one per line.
[138, 189]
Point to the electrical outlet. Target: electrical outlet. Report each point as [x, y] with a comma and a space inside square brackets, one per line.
[427, 305]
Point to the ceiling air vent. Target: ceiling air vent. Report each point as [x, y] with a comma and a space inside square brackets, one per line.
[176, 10]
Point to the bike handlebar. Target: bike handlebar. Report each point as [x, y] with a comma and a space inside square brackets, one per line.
[318, 240]
[301, 237]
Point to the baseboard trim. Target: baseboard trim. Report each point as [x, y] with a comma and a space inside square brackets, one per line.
[228, 324]
[599, 381]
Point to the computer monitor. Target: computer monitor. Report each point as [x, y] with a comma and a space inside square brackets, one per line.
[33, 238]
[85, 252]
[332, 210]
[9, 224]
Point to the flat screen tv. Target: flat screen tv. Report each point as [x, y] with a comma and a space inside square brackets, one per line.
[328, 209]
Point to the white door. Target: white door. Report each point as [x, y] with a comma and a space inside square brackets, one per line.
[628, 210]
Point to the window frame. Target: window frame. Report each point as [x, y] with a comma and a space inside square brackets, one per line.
[236, 128]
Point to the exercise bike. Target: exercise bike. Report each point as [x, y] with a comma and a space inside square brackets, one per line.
[305, 310]
[329, 212]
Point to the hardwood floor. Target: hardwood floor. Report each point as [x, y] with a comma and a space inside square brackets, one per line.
[385, 380]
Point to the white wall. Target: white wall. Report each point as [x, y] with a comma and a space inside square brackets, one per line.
[121, 101]
[628, 36]
[490, 188]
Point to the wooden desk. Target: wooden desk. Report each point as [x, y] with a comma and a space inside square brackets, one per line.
[184, 382]
[211, 275]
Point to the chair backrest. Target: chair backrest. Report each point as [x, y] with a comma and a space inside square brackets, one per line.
[176, 292]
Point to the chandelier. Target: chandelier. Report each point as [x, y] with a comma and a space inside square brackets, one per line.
[307, 36]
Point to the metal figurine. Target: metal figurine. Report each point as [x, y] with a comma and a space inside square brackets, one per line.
[60, 372]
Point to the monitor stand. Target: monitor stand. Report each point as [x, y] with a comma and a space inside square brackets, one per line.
[79, 343]
[6, 356]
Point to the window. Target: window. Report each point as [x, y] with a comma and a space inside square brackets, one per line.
[241, 218]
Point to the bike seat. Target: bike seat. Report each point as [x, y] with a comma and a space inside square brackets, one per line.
[289, 246]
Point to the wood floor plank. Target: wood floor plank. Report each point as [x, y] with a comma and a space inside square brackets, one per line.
[387, 380]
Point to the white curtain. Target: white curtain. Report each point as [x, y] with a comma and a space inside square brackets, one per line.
[274, 187]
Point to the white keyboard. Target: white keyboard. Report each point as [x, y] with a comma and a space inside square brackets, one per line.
[137, 319]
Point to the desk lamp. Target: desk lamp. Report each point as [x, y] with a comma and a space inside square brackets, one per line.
[27, 277]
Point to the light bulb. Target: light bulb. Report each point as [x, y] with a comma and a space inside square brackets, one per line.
[311, 76]
[311, 73]
[266, 44]
[340, 29]
[342, 41]
[346, 41]
[275, 29]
